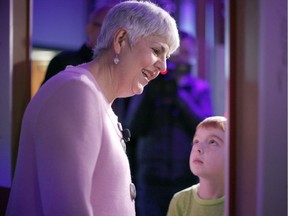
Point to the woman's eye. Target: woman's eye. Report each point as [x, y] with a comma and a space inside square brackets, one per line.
[156, 52]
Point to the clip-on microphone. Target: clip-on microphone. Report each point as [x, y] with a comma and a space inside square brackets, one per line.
[126, 135]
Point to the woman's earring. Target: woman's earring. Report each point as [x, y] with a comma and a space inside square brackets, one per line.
[116, 60]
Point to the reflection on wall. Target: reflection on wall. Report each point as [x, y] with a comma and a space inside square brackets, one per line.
[40, 61]
[187, 19]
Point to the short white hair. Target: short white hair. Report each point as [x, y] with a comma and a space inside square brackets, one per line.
[140, 19]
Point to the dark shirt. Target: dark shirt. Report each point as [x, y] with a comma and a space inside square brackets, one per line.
[163, 124]
[65, 58]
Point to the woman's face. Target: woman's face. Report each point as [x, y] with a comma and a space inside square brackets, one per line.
[142, 63]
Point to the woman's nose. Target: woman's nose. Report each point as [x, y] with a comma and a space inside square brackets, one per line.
[161, 64]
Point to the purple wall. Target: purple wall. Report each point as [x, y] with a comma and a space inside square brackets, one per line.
[59, 24]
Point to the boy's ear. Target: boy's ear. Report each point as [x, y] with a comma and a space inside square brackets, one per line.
[120, 39]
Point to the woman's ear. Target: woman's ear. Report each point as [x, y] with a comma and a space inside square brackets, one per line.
[120, 39]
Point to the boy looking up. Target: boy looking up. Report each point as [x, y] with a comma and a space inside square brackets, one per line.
[207, 161]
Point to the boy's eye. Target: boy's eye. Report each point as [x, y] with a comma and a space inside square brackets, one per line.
[195, 142]
[212, 141]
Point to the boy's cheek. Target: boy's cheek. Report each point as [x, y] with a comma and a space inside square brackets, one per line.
[191, 160]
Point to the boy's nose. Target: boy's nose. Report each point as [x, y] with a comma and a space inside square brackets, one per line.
[199, 148]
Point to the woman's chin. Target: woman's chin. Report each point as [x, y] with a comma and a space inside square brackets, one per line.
[139, 90]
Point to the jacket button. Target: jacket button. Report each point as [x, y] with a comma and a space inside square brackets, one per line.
[132, 191]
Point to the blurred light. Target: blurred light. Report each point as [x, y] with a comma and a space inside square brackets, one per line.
[43, 54]
[164, 72]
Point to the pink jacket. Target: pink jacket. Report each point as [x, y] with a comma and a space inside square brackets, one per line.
[70, 160]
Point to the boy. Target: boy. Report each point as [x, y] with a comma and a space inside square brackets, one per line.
[207, 161]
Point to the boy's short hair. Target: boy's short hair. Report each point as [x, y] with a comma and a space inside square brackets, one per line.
[218, 122]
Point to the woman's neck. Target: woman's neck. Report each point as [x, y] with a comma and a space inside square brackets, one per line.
[104, 78]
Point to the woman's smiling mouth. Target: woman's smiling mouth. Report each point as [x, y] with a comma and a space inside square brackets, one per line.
[148, 74]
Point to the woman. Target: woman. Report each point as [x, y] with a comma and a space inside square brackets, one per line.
[71, 159]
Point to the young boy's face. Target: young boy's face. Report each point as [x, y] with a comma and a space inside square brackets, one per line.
[208, 151]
